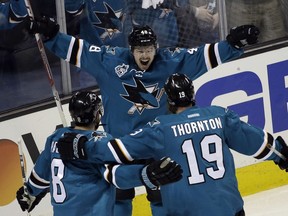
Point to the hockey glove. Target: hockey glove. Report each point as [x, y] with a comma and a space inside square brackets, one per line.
[283, 164]
[243, 35]
[71, 146]
[161, 172]
[27, 201]
[43, 25]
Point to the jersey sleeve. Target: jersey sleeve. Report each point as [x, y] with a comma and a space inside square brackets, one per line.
[144, 143]
[79, 53]
[17, 11]
[207, 57]
[39, 179]
[13, 12]
[123, 176]
[249, 140]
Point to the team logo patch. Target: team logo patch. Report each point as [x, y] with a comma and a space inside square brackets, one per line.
[121, 70]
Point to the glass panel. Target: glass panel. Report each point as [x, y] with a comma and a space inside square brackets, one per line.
[268, 15]
[284, 7]
[23, 78]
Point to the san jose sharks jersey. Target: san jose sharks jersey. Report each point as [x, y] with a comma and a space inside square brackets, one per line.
[12, 13]
[110, 22]
[199, 139]
[132, 97]
[80, 188]
[109, 18]
[101, 22]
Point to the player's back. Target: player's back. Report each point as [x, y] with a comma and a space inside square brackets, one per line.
[195, 139]
[78, 187]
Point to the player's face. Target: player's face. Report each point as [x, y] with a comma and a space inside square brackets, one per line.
[144, 56]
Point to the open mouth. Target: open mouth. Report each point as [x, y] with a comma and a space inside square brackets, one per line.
[144, 62]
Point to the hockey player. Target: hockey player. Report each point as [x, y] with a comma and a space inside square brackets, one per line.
[109, 23]
[83, 188]
[135, 77]
[131, 80]
[200, 140]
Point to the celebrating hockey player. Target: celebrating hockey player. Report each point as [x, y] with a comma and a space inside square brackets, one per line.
[199, 139]
[83, 188]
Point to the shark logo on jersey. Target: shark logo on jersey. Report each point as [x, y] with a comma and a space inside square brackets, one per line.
[121, 69]
[142, 97]
[110, 21]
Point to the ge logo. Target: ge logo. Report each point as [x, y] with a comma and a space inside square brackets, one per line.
[257, 97]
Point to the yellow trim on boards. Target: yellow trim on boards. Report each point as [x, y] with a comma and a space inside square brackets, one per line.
[251, 179]
[260, 177]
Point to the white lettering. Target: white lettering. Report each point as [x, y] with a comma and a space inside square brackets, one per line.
[174, 130]
[180, 129]
[195, 127]
[93, 48]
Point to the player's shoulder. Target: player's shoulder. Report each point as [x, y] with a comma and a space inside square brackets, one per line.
[217, 109]
[99, 136]
[116, 50]
[222, 111]
[175, 52]
[60, 131]
[162, 120]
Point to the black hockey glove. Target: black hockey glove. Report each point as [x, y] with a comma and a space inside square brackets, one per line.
[27, 201]
[283, 164]
[71, 146]
[43, 25]
[243, 35]
[161, 172]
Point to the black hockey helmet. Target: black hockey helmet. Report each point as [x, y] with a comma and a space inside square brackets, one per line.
[180, 90]
[85, 107]
[142, 36]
